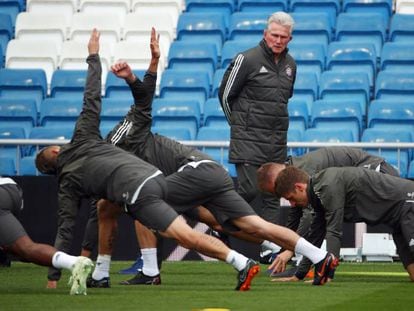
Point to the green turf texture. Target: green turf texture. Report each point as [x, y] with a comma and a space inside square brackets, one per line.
[194, 285]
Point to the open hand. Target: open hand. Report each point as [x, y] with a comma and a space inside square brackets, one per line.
[93, 45]
[155, 43]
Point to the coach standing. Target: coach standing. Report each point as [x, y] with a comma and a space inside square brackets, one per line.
[254, 94]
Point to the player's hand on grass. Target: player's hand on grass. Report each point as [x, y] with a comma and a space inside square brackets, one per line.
[279, 264]
[51, 284]
[287, 279]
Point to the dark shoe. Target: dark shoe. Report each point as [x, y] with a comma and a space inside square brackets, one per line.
[285, 274]
[4, 259]
[142, 279]
[267, 257]
[246, 275]
[102, 283]
[136, 266]
[324, 269]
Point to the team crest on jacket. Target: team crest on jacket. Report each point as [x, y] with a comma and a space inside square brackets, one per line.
[288, 71]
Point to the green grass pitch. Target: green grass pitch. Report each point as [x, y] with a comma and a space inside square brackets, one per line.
[194, 285]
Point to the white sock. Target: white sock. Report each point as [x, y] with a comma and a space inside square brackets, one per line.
[267, 245]
[309, 250]
[61, 260]
[237, 260]
[149, 259]
[101, 271]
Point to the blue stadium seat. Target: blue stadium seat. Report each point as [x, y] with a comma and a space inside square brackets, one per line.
[23, 83]
[6, 32]
[306, 87]
[181, 85]
[118, 88]
[213, 114]
[309, 57]
[331, 114]
[7, 166]
[352, 86]
[12, 8]
[232, 47]
[247, 26]
[170, 113]
[206, 6]
[176, 133]
[11, 133]
[298, 114]
[113, 111]
[219, 154]
[324, 135]
[202, 27]
[218, 76]
[293, 136]
[410, 173]
[311, 27]
[382, 7]
[60, 112]
[390, 84]
[360, 27]
[398, 158]
[193, 56]
[329, 7]
[28, 167]
[45, 133]
[397, 56]
[262, 6]
[1, 56]
[353, 57]
[18, 112]
[402, 28]
[391, 114]
[68, 84]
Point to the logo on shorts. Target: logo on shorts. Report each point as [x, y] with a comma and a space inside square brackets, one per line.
[410, 195]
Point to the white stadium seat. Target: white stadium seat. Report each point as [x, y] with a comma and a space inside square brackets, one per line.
[404, 7]
[119, 7]
[172, 7]
[65, 7]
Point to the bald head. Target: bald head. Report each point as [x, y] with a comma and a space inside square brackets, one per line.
[266, 176]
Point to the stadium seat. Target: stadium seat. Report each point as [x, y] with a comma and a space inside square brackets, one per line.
[309, 57]
[1, 57]
[206, 27]
[118, 7]
[360, 27]
[399, 158]
[410, 173]
[232, 47]
[190, 56]
[118, 88]
[352, 86]
[65, 7]
[12, 8]
[404, 6]
[18, 112]
[6, 32]
[294, 136]
[42, 26]
[312, 27]
[353, 57]
[29, 55]
[113, 111]
[247, 26]
[213, 114]
[397, 56]
[23, 83]
[382, 7]
[306, 88]
[27, 167]
[337, 115]
[218, 76]
[402, 28]
[391, 114]
[68, 84]
[11, 132]
[394, 84]
[177, 84]
[176, 133]
[109, 25]
[59, 133]
[298, 114]
[223, 7]
[7, 166]
[74, 54]
[330, 7]
[149, 7]
[330, 135]
[262, 6]
[137, 27]
[168, 113]
[219, 154]
[60, 112]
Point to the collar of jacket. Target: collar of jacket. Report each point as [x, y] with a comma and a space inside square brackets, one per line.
[269, 51]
